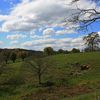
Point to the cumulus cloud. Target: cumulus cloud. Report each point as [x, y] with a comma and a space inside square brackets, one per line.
[50, 13]
[3, 17]
[40, 37]
[99, 33]
[49, 31]
[62, 32]
[15, 36]
[64, 43]
[39, 42]
[43, 15]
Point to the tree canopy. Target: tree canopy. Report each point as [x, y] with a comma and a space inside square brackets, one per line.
[92, 41]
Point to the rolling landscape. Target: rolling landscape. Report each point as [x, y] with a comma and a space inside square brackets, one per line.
[63, 80]
[50, 50]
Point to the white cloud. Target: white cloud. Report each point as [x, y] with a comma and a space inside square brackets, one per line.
[64, 43]
[86, 4]
[62, 32]
[49, 31]
[1, 30]
[14, 42]
[39, 37]
[3, 17]
[99, 33]
[29, 15]
[1, 42]
[15, 36]
[43, 15]
[18, 25]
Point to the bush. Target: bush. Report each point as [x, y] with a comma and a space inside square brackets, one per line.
[15, 80]
[47, 84]
[74, 50]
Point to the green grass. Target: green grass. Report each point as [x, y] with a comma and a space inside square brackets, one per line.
[18, 81]
[89, 96]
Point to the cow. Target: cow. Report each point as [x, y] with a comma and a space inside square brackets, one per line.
[84, 67]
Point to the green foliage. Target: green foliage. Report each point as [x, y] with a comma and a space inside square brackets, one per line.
[74, 50]
[18, 80]
[62, 51]
[5, 55]
[13, 56]
[92, 41]
[48, 51]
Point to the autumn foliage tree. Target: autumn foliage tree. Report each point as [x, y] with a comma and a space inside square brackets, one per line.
[22, 54]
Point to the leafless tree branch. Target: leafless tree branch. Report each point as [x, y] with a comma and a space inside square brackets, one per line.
[84, 17]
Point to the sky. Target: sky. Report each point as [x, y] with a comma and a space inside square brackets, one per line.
[36, 24]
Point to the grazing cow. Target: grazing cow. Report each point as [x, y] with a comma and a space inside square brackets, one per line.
[84, 67]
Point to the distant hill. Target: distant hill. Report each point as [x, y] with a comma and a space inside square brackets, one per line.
[30, 52]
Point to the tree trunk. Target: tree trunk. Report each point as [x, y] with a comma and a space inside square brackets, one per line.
[6, 61]
[13, 61]
[39, 78]
[92, 47]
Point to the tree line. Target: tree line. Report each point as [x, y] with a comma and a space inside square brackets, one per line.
[11, 55]
[92, 43]
[7, 55]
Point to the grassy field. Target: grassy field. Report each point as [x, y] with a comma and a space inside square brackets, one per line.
[18, 81]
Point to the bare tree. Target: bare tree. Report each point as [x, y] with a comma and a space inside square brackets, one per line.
[39, 66]
[84, 17]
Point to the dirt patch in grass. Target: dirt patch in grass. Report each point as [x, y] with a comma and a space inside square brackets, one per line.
[57, 93]
[76, 90]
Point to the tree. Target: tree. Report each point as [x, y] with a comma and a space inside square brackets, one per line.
[48, 51]
[39, 66]
[74, 50]
[5, 55]
[84, 16]
[2, 64]
[13, 57]
[92, 40]
[61, 51]
[23, 55]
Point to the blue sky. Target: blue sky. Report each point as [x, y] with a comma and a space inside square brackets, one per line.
[35, 24]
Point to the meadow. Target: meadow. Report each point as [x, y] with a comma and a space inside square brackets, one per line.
[63, 80]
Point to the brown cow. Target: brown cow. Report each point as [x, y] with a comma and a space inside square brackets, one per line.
[84, 67]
